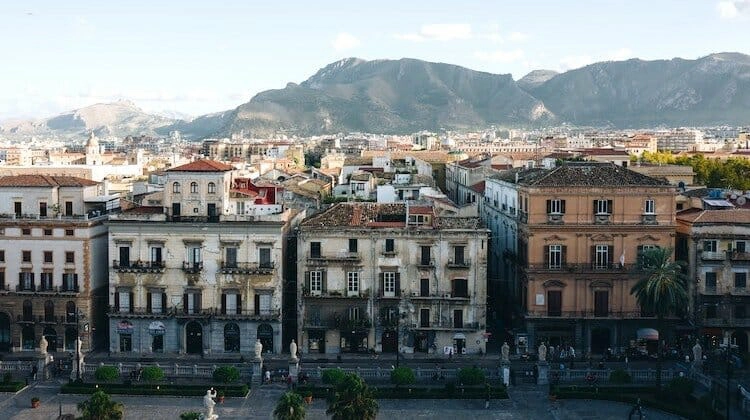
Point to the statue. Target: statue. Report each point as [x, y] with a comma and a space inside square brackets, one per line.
[209, 403]
[258, 348]
[77, 361]
[43, 345]
[542, 353]
[505, 351]
[293, 351]
[697, 353]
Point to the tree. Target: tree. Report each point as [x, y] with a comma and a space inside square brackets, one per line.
[402, 376]
[662, 290]
[352, 399]
[100, 407]
[289, 407]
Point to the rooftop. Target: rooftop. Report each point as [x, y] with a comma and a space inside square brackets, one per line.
[45, 181]
[202, 165]
[733, 216]
[581, 174]
[383, 215]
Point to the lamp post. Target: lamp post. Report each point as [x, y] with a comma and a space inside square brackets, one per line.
[78, 317]
[728, 347]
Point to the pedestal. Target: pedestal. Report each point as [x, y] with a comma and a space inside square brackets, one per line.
[257, 376]
[505, 372]
[294, 370]
[543, 376]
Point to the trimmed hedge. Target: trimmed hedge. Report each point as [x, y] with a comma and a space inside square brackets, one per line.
[620, 376]
[416, 392]
[11, 386]
[138, 389]
[332, 376]
[107, 373]
[471, 376]
[402, 376]
[226, 374]
[153, 373]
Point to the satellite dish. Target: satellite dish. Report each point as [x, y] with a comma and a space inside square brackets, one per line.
[741, 201]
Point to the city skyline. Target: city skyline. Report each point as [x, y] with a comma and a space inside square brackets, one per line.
[202, 58]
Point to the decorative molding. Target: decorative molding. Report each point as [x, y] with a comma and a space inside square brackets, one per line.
[602, 237]
[555, 238]
[553, 283]
[648, 237]
[600, 283]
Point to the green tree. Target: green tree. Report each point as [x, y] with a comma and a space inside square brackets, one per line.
[352, 399]
[662, 290]
[226, 374]
[289, 407]
[106, 373]
[100, 407]
[332, 376]
[402, 376]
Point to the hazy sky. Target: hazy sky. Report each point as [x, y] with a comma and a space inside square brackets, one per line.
[197, 57]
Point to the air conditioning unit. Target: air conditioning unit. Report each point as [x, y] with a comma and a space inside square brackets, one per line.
[447, 295]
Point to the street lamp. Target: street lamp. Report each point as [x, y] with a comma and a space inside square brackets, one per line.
[79, 316]
[728, 347]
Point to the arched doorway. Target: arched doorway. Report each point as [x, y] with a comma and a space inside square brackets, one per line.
[389, 341]
[70, 338]
[740, 338]
[27, 338]
[70, 311]
[231, 337]
[4, 332]
[49, 311]
[193, 338]
[28, 310]
[599, 340]
[51, 336]
[265, 335]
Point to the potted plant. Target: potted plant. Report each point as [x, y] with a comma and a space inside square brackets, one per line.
[308, 397]
[35, 402]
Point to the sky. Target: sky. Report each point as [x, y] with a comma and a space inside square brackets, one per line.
[197, 57]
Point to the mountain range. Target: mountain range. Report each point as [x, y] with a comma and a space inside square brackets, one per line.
[407, 95]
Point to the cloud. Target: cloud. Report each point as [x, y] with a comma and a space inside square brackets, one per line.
[517, 37]
[439, 32]
[345, 41]
[732, 9]
[500, 56]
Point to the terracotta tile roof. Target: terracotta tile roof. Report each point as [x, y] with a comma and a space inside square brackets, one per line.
[581, 174]
[603, 152]
[382, 215]
[734, 216]
[478, 187]
[145, 210]
[202, 165]
[45, 181]
[420, 210]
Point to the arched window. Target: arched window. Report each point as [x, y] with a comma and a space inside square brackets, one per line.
[176, 187]
[70, 311]
[211, 188]
[194, 187]
[49, 311]
[28, 310]
[231, 337]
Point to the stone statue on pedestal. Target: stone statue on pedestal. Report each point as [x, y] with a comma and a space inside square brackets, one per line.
[209, 403]
[697, 352]
[542, 353]
[258, 348]
[43, 346]
[77, 361]
[505, 351]
[293, 351]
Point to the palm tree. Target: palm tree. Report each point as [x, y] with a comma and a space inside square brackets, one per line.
[100, 407]
[352, 399]
[662, 290]
[289, 407]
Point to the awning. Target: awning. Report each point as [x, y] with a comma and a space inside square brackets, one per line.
[459, 336]
[647, 334]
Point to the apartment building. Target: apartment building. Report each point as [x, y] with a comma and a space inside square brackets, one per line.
[203, 273]
[716, 244]
[581, 227]
[388, 277]
[53, 263]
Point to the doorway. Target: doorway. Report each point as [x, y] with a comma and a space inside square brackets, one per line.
[389, 341]
[4, 332]
[599, 340]
[193, 338]
[51, 336]
[265, 335]
[212, 216]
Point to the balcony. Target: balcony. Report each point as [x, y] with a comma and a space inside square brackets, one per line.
[444, 295]
[247, 267]
[583, 268]
[602, 219]
[20, 288]
[63, 290]
[138, 312]
[555, 219]
[459, 264]
[588, 314]
[649, 219]
[389, 253]
[425, 264]
[269, 315]
[713, 256]
[192, 267]
[341, 257]
[740, 256]
[435, 326]
[335, 294]
[710, 290]
[138, 266]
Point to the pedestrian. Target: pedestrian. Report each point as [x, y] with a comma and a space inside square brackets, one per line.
[268, 376]
[450, 354]
[289, 382]
[34, 371]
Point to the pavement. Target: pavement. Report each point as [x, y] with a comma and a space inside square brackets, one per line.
[525, 402]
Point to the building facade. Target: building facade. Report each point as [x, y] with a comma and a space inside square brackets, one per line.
[53, 259]
[581, 227]
[388, 277]
[199, 275]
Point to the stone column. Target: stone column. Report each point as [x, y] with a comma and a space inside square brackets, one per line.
[543, 375]
[257, 374]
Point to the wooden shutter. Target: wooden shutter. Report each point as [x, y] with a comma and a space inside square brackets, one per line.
[117, 301]
[33, 286]
[307, 281]
[545, 256]
[239, 303]
[595, 201]
[148, 302]
[223, 303]
[639, 255]
[549, 206]
[75, 281]
[398, 284]
[610, 255]
[163, 303]
[323, 281]
[382, 283]
[609, 207]
[564, 255]
[185, 303]
[132, 303]
[257, 304]
[593, 255]
[562, 206]
[197, 303]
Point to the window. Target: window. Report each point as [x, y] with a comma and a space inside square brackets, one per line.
[460, 288]
[157, 302]
[740, 280]
[28, 310]
[602, 256]
[649, 207]
[314, 249]
[458, 318]
[46, 281]
[124, 256]
[710, 245]
[43, 209]
[25, 231]
[191, 302]
[554, 303]
[211, 188]
[424, 287]
[555, 256]
[231, 257]
[389, 283]
[26, 280]
[354, 313]
[740, 311]
[740, 246]
[68, 208]
[194, 256]
[424, 318]
[176, 187]
[352, 245]
[710, 282]
[601, 303]
[123, 301]
[352, 282]
[47, 232]
[316, 282]
[555, 206]
[47, 256]
[2, 255]
[602, 207]
[69, 232]
[230, 303]
[264, 258]
[26, 256]
[18, 208]
[194, 188]
[156, 254]
[49, 311]
[458, 255]
[70, 312]
[390, 246]
[70, 282]
[263, 304]
[70, 257]
[425, 255]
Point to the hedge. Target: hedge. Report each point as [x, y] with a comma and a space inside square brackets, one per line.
[226, 374]
[471, 376]
[142, 389]
[107, 373]
[153, 373]
[332, 376]
[11, 386]
[416, 392]
[402, 376]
